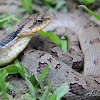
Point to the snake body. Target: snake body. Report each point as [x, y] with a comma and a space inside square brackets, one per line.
[12, 45]
[89, 37]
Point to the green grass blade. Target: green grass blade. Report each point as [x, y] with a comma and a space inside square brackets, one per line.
[31, 88]
[30, 3]
[3, 84]
[27, 4]
[14, 68]
[16, 62]
[59, 5]
[53, 97]
[5, 19]
[12, 87]
[46, 93]
[45, 72]
[51, 36]
[11, 69]
[28, 96]
[43, 33]
[15, 99]
[20, 69]
[86, 2]
[54, 37]
[61, 91]
[40, 81]
[34, 82]
[61, 42]
[91, 12]
[64, 44]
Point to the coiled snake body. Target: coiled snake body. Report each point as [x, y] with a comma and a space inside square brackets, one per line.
[89, 37]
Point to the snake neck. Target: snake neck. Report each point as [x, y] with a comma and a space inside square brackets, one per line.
[13, 49]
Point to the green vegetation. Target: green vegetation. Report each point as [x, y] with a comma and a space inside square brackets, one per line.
[3, 90]
[91, 12]
[86, 2]
[49, 5]
[5, 19]
[27, 5]
[62, 42]
[33, 84]
[7, 22]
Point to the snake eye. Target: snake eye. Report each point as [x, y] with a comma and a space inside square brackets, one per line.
[39, 20]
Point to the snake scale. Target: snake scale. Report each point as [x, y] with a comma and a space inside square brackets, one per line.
[88, 34]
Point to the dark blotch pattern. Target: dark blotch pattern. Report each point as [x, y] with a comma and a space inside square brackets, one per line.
[33, 25]
[75, 88]
[96, 40]
[34, 22]
[11, 36]
[19, 29]
[6, 40]
[77, 65]
[49, 60]
[96, 82]
[41, 67]
[54, 54]
[58, 66]
[41, 54]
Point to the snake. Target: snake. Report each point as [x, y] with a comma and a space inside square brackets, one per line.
[88, 34]
[14, 43]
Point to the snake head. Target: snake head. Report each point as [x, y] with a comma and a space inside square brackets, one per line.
[38, 22]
